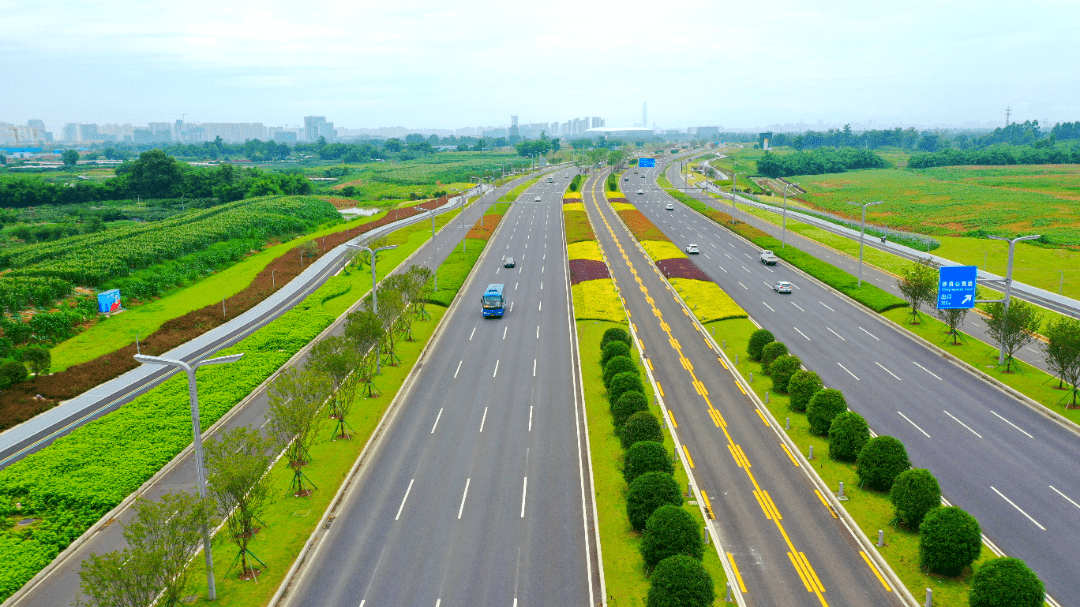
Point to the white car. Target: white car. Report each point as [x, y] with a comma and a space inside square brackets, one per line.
[691, 249]
[537, 199]
[670, 207]
[782, 286]
[641, 191]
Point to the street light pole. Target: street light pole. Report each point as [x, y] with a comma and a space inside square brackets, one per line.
[374, 292]
[734, 176]
[783, 233]
[862, 231]
[200, 465]
[1008, 280]
[434, 270]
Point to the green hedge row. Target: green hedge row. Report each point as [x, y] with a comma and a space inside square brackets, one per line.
[454, 270]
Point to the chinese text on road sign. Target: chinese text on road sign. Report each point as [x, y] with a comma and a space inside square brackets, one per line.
[956, 287]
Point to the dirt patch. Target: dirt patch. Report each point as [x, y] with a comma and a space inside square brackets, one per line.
[354, 182]
[340, 203]
[587, 269]
[680, 267]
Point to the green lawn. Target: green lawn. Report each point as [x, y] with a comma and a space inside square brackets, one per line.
[513, 194]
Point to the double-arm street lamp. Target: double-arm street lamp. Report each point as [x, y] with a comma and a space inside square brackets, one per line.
[1008, 281]
[783, 233]
[200, 465]
[862, 230]
[374, 290]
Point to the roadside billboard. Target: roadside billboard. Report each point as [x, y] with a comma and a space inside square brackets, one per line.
[646, 162]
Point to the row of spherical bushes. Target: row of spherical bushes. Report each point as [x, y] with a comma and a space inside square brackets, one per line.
[671, 546]
[950, 539]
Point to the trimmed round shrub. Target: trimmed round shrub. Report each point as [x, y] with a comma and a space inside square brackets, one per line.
[646, 456]
[613, 349]
[880, 461]
[647, 493]
[619, 364]
[670, 531]
[949, 540]
[771, 352]
[1006, 582]
[914, 493]
[824, 406]
[781, 370]
[847, 436]
[802, 385]
[758, 340]
[622, 383]
[12, 372]
[640, 426]
[628, 404]
[615, 334]
[680, 581]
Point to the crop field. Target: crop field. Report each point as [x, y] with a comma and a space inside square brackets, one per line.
[421, 177]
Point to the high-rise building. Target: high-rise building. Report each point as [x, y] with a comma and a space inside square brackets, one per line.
[326, 131]
[311, 127]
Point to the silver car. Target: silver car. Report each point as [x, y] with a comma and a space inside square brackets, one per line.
[782, 286]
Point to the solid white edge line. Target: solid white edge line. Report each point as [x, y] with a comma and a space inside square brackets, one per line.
[961, 423]
[1018, 508]
[436, 424]
[913, 423]
[396, 517]
[463, 496]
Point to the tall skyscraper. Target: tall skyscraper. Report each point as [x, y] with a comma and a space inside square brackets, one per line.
[311, 127]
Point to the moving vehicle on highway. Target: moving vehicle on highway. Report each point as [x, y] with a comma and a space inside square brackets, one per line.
[670, 207]
[641, 191]
[508, 262]
[492, 301]
[768, 258]
[537, 199]
[782, 286]
[691, 249]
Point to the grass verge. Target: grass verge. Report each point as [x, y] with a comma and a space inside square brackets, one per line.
[513, 194]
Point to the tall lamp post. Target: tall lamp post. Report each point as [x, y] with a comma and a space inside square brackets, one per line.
[734, 177]
[862, 230]
[1008, 281]
[783, 233]
[196, 430]
[374, 291]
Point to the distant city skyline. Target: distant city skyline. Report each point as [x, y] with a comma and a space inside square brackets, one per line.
[435, 65]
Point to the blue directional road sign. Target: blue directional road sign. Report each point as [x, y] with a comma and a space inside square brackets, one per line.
[956, 287]
[646, 162]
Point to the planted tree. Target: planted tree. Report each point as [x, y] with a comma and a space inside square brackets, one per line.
[38, 359]
[670, 531]
[1063, 353]
[848, 434]
[918, 285]
[646, 456]
[880, 461]
[758, 340]
[1013, 329]
[612, 349]
[914, 493]
[238, 484]
[615, 334]
[953, 319]
[335, 359]
[401, 325]
[391, 306]
[364, 332]
[680, 581]
[641, 426]
[647, 493]
[12, 372]
[296, 397]
[161, 540]
[618, 364]
[949, 540]
[1006, 582]
[803, 385]
[628, 404]
[420, 288]
[770, 352]
[824, 406]
[623, 383]
[781, 370]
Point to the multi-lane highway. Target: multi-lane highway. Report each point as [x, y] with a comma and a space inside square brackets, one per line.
[478, 493]
[1010, 466]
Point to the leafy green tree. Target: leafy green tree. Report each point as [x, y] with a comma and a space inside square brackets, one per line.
[880, 461]
[770, 352]
[1006, 582]
[1012, 330]
[628, 404]
[953, 319]
[161, 540]
[70, 157]
[293, 419]
[155, 175]
[801, 387]
[647, 493]
[848, 434]
[236, 467]
[646, 456]
[918, 285]
[618, 364]
[336, 360]
[391, 305]
[641, 426]
[364, 331]
[758, 340]
[680, 581]
[613, 349]
[670, 531]
[624, 382]
[823, 408]
[12, 372]
[949, 540]
[615, 334]
[38, 359]
[914, 493]
[1063, 352]
[781, 370]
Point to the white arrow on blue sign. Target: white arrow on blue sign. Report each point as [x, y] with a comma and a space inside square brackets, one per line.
[956, 287]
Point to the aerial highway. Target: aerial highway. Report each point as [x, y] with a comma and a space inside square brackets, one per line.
[1003, 461]
[478, 493]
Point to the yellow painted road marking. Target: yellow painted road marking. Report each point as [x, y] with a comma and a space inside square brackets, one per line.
[788, 451]
[707, 344]
[717, 419]
[772, 505]
[746, 460]
[723, 363]
[822, 498]
[708, 504]
[741, 389]
[673, 423]
[685, 312]
[648, 360]
[876, 572]
[735, 568]
[761, 503]
[810, 572]
[763, 420]
[635, 327]
[802, 574]
[659, 388]
[688, 458]
[735, 454]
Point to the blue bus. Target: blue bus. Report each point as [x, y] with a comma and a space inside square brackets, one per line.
[492, 300]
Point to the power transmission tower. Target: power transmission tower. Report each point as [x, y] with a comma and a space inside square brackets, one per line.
[1008, 111]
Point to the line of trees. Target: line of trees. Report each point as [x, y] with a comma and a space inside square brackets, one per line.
[1041, 152]
[820, 161]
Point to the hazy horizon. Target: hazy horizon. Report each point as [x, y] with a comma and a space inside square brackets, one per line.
[447, 66]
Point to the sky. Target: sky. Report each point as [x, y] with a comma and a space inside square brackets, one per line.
[462, 63]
